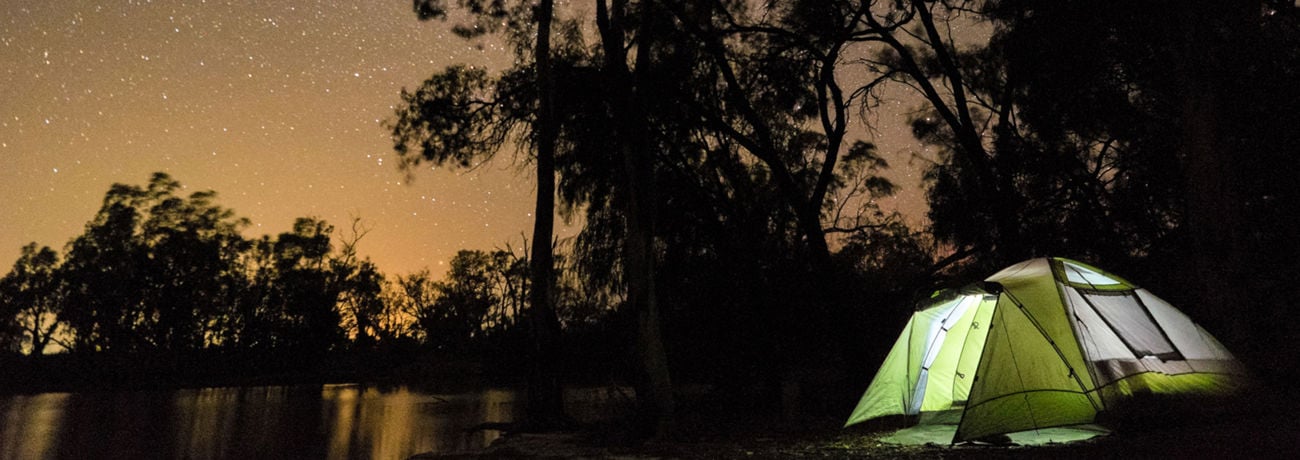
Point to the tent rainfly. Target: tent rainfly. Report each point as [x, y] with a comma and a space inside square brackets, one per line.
[1048, 342]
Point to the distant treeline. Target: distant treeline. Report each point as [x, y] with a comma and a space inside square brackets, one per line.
[163, 289]
[157, 274]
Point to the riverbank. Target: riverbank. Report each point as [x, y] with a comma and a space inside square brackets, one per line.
[1257, 440]
[418, 368]
[1269, 431]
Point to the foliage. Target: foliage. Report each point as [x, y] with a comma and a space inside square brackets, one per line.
[155, 271]
[545, 408]
[30, 302]
[1193, 150]
[159, 273]
[411, 296]
[450, 119]
[300, 293]
[152, 270]
[483, 291]
[742, 121]
[1088, 132]
[707, 149]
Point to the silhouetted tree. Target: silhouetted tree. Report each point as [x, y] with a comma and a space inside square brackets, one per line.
[414, 297]
[458, 315]
[546, 396]
[361, 303]
[301, 295]
[509, 277]
[760, 87]
[777, 93]
[102, 270]
[1130, 142]
[639, 130]
[579, 300]
[629, 94]
[31, 300]
[545, 402]
[153, 270]
[1188, 121]
[193, 247]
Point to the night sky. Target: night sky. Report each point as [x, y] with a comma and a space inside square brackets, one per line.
[276, 105]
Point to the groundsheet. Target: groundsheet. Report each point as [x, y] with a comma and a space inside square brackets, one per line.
[941, 434]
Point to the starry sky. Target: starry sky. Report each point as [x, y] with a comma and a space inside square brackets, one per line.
[276, 105]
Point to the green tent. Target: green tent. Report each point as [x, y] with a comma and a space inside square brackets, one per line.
[1044, 343]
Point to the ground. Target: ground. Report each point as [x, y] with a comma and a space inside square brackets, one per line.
[1272, 434]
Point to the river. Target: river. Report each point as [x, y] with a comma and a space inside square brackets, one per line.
[309, 421]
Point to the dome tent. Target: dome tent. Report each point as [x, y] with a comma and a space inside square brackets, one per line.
[1045, 343]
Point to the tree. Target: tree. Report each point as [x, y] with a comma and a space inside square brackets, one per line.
[628, 91]
[1194, 136]
[580, 299]
[767, 86]
[459, 313]
[153, 271]
[640, 141]
[545, 391]
[102, 270]
[361, 286]
[415, 296]
[192, 267]
[301, 294]
[1105, 136]
[407, 299]
[545, 402]
[776, 73]
[959, 119]
[31, 301]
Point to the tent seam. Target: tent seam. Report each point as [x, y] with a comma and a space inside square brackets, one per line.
[1074, 374]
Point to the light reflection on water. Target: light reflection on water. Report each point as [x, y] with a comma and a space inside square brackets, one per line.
[329, 422]
[31, 424]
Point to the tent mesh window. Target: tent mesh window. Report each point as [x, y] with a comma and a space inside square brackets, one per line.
[1133, 323]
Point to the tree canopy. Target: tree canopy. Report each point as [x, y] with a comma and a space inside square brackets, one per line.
[728, 190]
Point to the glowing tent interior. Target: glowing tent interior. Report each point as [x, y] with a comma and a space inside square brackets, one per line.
[1045, 343]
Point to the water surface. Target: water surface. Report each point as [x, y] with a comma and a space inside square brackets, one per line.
[312, 421]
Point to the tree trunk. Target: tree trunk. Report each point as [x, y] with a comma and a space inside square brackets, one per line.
[1214, 212]
[656, 406]
[654, 393]
[545, 407]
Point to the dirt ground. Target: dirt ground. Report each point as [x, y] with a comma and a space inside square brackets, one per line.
[1272, 434]
[1217, 442]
